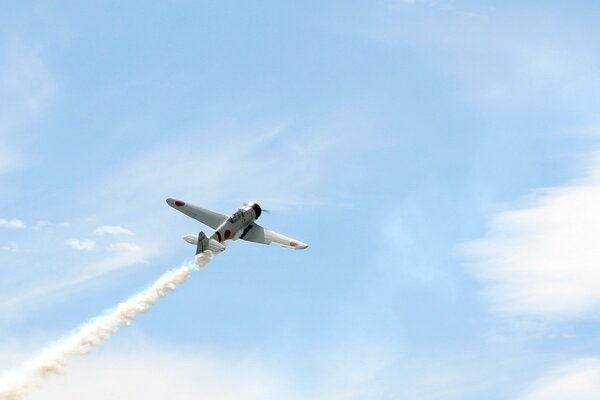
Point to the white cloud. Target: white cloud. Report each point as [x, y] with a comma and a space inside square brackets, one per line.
[15, 305]
[501, 63]
[354, 370]
[63, 272]
[125, 246]
[41, 225]
[270, 155]
[10, 246]
[78, 244]
[265, 162]
[12, 223]
[163, 375]
[112, 230]
[577, 379]
[25, 90]
[348, 371]
[156, 371]
[544, 259]
[263, 151]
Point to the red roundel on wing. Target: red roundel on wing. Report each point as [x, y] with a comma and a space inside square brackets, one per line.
[227, 234]
[179, 203]
[293, 244]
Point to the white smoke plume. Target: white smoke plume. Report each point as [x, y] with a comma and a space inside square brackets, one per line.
[54, 360]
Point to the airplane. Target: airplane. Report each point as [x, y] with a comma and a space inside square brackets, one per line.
[240, 225]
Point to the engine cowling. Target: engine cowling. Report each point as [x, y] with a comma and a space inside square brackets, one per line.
[257, 209]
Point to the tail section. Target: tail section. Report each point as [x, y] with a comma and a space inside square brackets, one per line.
[204, 243]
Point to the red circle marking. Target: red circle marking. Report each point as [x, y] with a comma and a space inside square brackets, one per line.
[227, 234]
[179, 203]
[293, 244]
[218, 235]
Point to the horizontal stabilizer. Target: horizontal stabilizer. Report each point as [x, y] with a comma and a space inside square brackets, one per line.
[203, 243]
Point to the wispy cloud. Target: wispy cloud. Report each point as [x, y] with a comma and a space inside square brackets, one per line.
[347, 371]
[268, 151]
[11, 223]
[16, 305]
[501, 64]
[26, 88]
[112, 230]
[157, 375]
[41, 225]
[539, 259]
[274, 152]
[79, 244]
[542, 259]
[125, 246]
[10, 246]
[577, 379]
[157, 371]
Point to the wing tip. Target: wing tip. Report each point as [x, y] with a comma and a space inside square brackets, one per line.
[174, 202]
[297, 245]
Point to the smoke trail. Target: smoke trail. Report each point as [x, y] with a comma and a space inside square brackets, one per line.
[53, 360]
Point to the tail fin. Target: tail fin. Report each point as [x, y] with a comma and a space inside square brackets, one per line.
[205, 243]
[202, 243]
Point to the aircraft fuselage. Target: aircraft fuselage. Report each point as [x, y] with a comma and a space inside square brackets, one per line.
[240, 225]
[233, 227]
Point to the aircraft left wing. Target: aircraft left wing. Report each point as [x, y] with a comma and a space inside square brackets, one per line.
[207, 217]
[258, 234]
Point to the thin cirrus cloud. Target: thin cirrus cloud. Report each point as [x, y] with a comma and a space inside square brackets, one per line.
[268, 150]
[79, 244]
[543, 260]
[187, 376]
[272, 155]
[26, 88]
[576, 379]
[10, 246]
[112, 230]
[125, 246]
[151, 371]
[11, 223]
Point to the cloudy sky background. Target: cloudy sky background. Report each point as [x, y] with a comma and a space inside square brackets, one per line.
[440, 157]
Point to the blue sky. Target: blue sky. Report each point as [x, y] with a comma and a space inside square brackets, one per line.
[440, 158]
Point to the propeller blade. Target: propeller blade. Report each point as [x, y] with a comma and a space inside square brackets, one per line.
[247, 203]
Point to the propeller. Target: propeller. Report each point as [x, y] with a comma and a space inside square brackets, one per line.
[249, 204]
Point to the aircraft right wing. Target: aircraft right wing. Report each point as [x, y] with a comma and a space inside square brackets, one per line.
[207, 217]
[258, 234]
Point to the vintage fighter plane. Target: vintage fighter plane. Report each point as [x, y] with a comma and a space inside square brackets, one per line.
[241, 225]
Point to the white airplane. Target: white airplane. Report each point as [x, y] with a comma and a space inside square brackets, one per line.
[240, 225]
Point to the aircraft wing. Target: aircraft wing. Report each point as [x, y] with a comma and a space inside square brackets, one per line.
[207, 217]
[258, 234]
